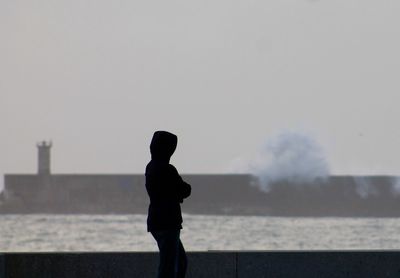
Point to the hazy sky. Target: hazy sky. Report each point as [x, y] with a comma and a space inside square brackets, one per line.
[98, 77]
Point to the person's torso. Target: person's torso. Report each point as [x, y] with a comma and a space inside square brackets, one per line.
[164, 210]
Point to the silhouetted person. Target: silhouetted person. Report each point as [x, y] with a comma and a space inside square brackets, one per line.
[166, 190]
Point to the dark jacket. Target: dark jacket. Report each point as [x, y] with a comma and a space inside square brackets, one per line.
[164, 185]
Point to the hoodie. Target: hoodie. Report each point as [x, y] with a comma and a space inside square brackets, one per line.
[164, 185]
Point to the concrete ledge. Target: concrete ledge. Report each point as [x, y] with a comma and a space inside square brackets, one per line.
[326, 264]
[227, 264]
[2, 266]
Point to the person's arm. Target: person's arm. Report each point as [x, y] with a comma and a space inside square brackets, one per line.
[183, 188]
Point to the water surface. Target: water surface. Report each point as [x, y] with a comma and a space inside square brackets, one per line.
[128, 233]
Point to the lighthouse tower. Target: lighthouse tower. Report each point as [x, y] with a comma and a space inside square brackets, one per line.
[44, 157]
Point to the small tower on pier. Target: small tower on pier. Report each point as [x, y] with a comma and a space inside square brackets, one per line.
[44, 157]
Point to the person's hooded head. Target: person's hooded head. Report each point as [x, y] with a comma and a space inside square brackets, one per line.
[163, 145]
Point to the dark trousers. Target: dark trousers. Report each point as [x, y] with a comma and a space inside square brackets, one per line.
[173, 261]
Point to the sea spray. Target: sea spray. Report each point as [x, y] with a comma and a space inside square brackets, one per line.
[364, 186]
[290, 156]
[396, 186]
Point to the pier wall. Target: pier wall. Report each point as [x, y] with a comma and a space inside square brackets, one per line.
[226, 264]
[336, 196]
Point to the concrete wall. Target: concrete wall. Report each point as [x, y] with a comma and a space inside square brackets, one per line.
[315, 264]
[211, 194]
[75, 194]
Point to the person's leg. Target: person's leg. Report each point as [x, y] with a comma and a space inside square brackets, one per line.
[168, 244]
[182, 261]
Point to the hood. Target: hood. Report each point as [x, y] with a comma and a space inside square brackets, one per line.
[163, 145]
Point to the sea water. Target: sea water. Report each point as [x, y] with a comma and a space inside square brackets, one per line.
[34, 233]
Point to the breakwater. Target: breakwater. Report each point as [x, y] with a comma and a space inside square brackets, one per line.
[337, 196]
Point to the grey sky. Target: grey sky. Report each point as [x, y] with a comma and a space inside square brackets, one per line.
[98, 77]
